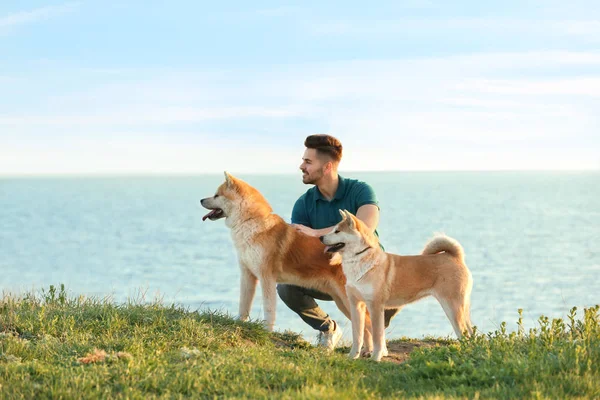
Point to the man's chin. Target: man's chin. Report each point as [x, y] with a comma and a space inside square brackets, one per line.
[306, 180]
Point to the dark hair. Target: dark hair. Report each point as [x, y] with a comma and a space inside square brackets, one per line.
[325, 144]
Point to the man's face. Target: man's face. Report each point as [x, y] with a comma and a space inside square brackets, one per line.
[312, 167]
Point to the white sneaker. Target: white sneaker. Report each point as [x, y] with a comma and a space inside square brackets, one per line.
[329, 340]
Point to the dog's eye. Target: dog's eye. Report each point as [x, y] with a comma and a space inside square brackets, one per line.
[216, 195]
[336, 232]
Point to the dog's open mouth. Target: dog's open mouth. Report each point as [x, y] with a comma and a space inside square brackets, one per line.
[214, 215]
[334, 247]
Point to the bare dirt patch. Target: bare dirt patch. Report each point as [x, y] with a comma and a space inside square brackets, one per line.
[399, 352]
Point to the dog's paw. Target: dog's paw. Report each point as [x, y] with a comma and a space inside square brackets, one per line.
[269, 327]
[379, 354]
[366, 350]
[366, 353]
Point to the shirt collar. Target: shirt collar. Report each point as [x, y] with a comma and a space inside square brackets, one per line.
[339, 193]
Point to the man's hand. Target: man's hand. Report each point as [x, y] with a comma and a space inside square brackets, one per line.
[306, 230]
[310, 231]
[369, 214]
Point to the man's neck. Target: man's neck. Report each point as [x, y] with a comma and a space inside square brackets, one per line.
[328, 186]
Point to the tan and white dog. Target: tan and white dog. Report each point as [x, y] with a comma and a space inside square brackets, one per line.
[380, 280]
[272, 251]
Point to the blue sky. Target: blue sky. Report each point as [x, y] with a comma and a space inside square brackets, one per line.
[110, 87]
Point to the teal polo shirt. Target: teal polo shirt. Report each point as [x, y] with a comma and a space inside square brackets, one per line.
[315, 211]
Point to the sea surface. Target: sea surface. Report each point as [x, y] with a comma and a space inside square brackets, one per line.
[532, 240]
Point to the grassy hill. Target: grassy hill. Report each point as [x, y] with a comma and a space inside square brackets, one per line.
[54, 346]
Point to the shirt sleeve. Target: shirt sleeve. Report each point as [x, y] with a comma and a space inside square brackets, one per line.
[299, 215]
[365, 195]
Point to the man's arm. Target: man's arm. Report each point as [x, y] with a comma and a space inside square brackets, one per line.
[368, 213]
[312, 232]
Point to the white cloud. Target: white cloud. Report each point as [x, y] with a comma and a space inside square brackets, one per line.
[124, 155]
[146, 155]
[407, 157]
[283, 11]
[153, 115]
[14, 20]
[459, 112]
[587, 29]
[556, 87]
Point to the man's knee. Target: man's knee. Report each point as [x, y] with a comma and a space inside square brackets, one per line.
[288, 293]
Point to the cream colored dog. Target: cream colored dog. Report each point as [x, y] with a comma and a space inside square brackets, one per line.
[382, 280]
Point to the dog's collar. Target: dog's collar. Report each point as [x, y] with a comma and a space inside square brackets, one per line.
[360, 252]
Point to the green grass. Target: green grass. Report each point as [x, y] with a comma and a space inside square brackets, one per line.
[158, 351]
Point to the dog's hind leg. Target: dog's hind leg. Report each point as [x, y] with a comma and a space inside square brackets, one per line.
[468, 327]
[467, 305]
[269, 293]
[247, 290]
[455, 311]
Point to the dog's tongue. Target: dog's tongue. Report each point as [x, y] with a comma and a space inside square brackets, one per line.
[326, 249]
[209, 215]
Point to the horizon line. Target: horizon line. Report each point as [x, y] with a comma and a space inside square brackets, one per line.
[126, 174]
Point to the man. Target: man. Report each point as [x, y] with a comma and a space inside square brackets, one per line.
[315, 213]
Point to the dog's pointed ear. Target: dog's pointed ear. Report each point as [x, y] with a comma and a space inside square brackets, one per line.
[350, 218]
[343, 214]
[228, 178]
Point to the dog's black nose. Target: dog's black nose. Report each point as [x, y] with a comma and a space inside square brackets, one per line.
[321, 238]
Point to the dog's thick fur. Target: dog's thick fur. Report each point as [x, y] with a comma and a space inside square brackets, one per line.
[271, 251]
[382, 280]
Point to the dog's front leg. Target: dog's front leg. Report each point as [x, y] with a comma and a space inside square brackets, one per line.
[357, 311]
[368, 341]
[377, 309]
[247, 290]
[269, 292]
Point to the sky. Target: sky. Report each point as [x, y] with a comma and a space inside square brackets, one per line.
[185, 87]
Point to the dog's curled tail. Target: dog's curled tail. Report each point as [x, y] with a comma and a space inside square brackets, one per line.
[441, 242]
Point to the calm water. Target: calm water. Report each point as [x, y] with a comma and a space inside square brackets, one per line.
[531, 240]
